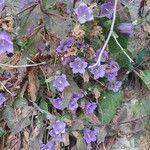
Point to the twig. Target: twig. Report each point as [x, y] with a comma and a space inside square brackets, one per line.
[130, 59]
[32, 6]
[22, 66]
[108, 38]
[6, 88]
[134, 120]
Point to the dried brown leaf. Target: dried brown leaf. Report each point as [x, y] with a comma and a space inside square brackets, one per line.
[78, 32]
[33, 83]
[12, 143]
[7, 23]
[86, 77]
[93, 119]
[66, 139]
[146, 27]
[97, 93]
[71, 52]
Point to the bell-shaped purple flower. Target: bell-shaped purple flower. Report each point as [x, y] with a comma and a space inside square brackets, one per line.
[106, 10]
[84, 13]
[114, 66]
[58, 103]
[73, 104]
[89, 136]
[104, 55]
[59, 127]
[6, 45]
[126, 28]
[42, 46]
[2, 99]
[56, 137]
[78, 65]
[65, 44]
[98, 71]
[111, 76]
[49, 146]
[90, 107]
[60, 82]
[114, 86]
[67, 60]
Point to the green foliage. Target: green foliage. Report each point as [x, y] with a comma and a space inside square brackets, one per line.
[112, 45]
[2, 132]
[141, 56]
[141, 109]
[43, 105]
[108, 104]
[145, 76]
[20, 102]
[9, 116]
[80, 143]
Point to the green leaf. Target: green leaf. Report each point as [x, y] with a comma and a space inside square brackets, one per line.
[141, 109]
[43, 105]
[141, 56]
[20, 102]
[80, 143]
[9, 116]
[2, 132]
[145, 76]
[108, 104]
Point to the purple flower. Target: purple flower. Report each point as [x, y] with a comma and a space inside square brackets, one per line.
[77, 95]
[2, 99]
[114, 86]
[59, 127]
[73, 104]
[89, 136]
[106, 10]
[6, 45]
[57, 103]
[42, 46]
[78, 65]
[60, 82]
[81, 44]
[90, 107]
[49, 146]
[114, 66]
[84, 13]
[111, 76]
[67, 60]
[126, 28]
[98, 71]
[56, 137]
[65, 44]
[2, 5]
[104, 55]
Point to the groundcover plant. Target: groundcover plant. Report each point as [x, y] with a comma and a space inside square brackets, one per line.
[65, 73]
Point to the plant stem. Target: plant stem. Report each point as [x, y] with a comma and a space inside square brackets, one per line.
[130, 59]
[108, 38]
